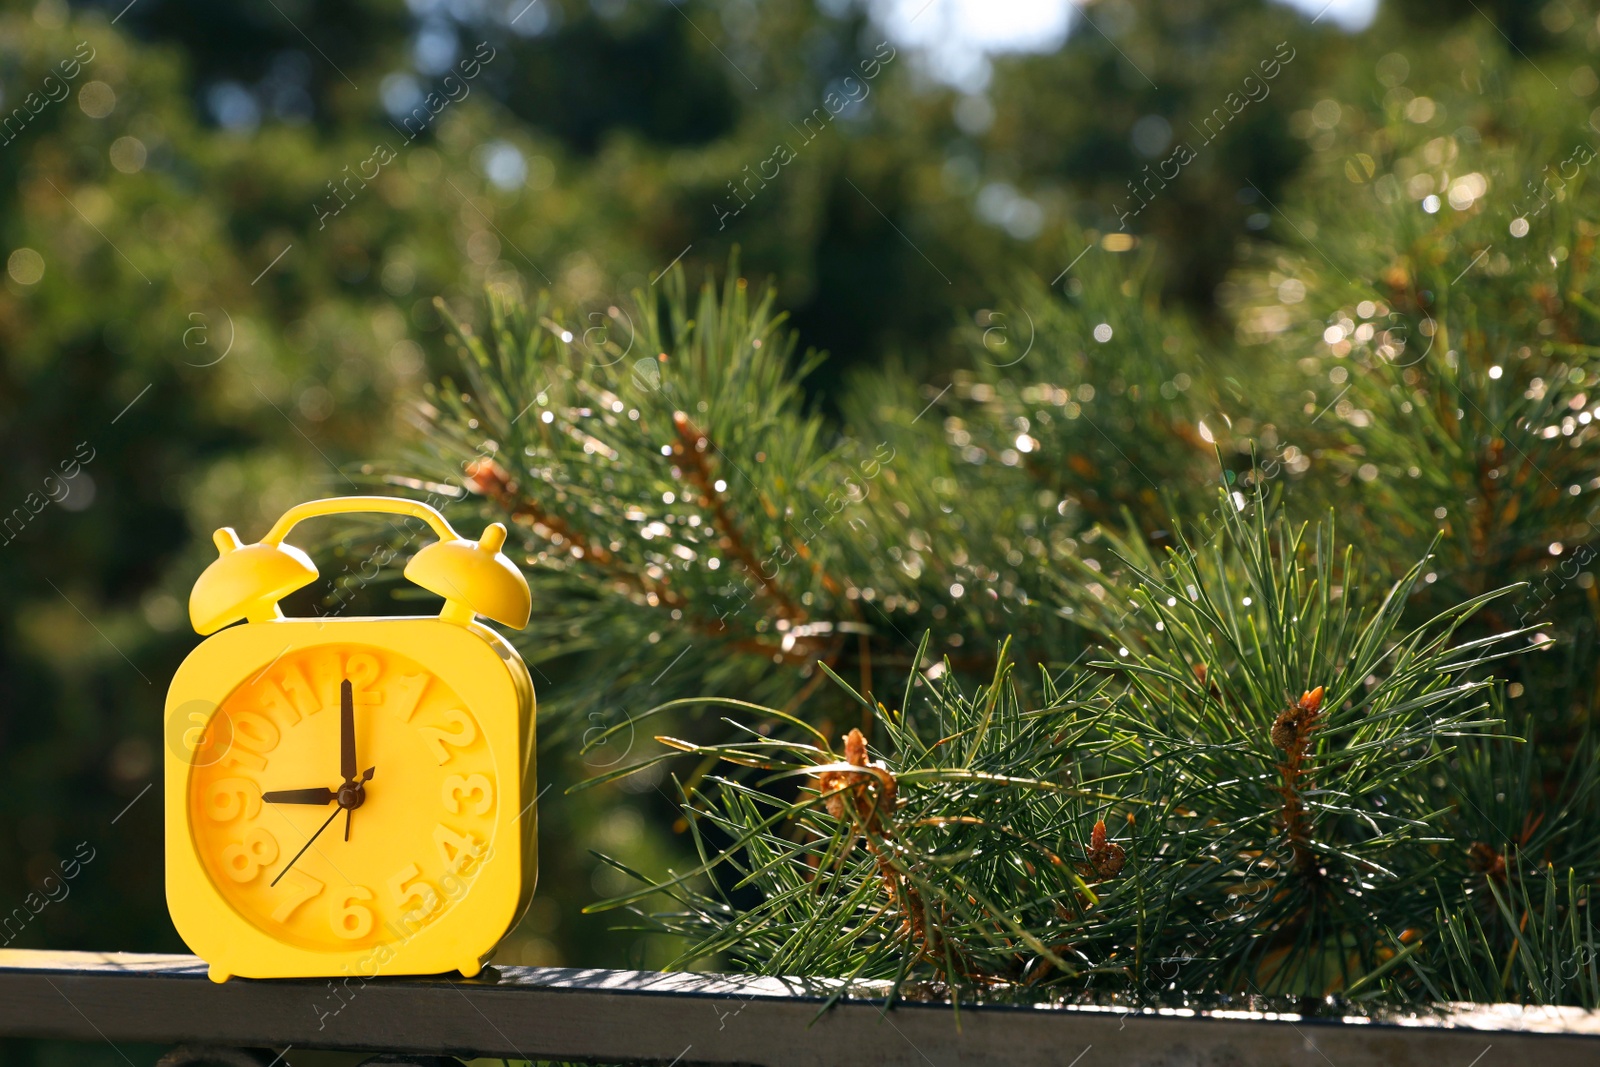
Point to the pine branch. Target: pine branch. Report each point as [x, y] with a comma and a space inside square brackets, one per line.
[690, 450]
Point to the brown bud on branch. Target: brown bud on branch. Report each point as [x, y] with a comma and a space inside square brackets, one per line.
[1293, 726]
[1106, 857]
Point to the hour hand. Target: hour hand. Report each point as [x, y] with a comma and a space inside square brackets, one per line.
[318, 795]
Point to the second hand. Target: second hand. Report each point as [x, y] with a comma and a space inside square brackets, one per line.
[305, 846]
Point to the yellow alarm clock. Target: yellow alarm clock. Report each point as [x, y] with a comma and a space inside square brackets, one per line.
[351, 796]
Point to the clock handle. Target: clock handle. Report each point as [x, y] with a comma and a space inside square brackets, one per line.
[349, 505]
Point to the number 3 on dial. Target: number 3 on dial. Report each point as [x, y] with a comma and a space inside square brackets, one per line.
[476, 789]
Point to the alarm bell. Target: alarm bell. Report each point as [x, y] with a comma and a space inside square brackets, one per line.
[247, 581]
[474, 577]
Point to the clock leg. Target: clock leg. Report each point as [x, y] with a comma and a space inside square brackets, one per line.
[217, 974]
[470, 968]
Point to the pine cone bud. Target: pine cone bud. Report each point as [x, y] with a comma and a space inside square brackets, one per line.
[1294, 724]
[1105, 855]
[857, 786]
[855, 748]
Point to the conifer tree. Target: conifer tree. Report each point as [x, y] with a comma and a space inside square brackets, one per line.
[1127, 658]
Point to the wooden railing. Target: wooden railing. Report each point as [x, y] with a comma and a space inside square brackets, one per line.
[535, 1013]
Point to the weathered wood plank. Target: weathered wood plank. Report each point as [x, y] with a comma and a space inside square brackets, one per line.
[623, 1016]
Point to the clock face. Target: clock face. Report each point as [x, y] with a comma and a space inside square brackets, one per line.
[355, 803]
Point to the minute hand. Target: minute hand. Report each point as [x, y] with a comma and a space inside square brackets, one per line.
[347, 732]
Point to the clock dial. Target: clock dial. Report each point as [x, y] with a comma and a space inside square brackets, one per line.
[370, 747]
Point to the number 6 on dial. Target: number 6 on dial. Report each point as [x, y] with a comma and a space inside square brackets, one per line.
[350, 919]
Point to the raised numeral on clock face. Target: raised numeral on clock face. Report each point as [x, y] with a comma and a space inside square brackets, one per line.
[243, 860]
[253, 737]
[475, 789]
[363, 668]
[300, 697]
[459, 851]
[255, 732]
[443, 740]
[228, 798]
[300, 887]
[351, 917]
[406, 886]
[405, 692]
